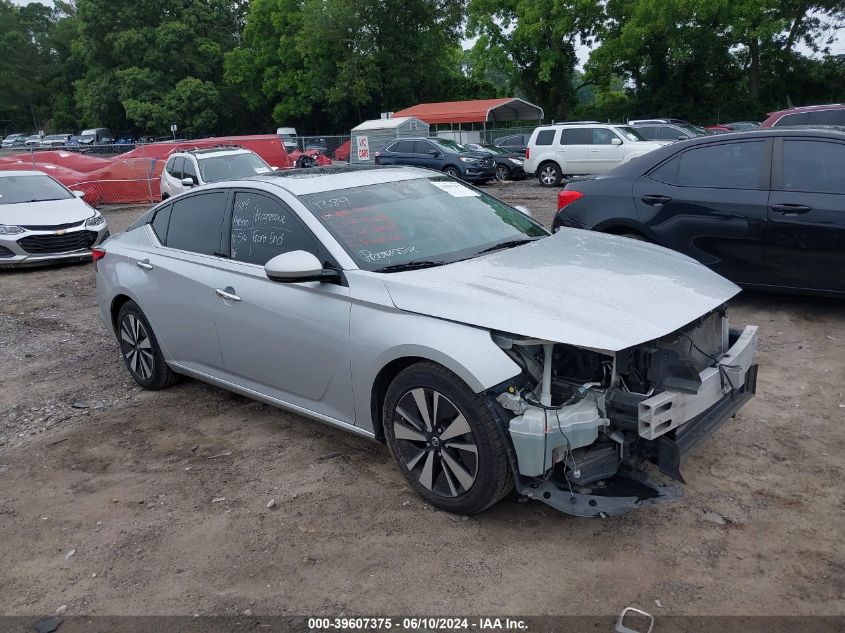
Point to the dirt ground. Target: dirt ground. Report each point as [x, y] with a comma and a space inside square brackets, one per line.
[118, 501]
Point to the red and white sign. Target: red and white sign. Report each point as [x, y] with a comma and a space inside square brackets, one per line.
[363, 148]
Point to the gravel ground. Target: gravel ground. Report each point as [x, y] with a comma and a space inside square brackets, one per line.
[119, 501]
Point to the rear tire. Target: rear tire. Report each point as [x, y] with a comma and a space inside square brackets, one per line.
[140, 349]
[448, 448]
[549, 174]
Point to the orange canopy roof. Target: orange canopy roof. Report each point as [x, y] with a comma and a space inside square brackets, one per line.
[477, 111]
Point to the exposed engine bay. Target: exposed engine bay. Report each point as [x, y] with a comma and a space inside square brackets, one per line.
[584, 423]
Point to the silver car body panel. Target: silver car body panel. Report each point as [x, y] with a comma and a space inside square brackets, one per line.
[577, 287]
[317, 349]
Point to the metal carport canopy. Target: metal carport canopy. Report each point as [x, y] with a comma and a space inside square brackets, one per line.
[477, 111]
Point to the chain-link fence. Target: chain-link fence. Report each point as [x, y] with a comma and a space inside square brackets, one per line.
[335, 148]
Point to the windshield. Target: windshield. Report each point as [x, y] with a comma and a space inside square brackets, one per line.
[434, 220]
[12, 137]
[494, 149]
[450, 146]
[630, 134]
[231, 167]
[17, 189]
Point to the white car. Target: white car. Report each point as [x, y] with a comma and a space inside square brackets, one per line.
[42, 221]
[555, 151]
[188, 169]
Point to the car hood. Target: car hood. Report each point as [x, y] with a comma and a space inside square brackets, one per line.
[45, 213]
[576, 287]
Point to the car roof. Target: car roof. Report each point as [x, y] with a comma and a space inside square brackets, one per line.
[317, 179]
[213, 152]
[810, 108]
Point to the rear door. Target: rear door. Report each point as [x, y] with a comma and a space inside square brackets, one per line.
[573, 150]
[289, 341]
[399, 153]
[805, 235]
[603, 154]
[710, 202]
[173, 280]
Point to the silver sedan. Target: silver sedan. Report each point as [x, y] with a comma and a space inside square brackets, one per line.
[411, 308]
[42, 221]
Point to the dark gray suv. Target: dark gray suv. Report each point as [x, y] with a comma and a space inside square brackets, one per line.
[440, 154]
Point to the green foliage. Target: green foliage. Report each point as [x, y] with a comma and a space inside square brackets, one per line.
[218, 66]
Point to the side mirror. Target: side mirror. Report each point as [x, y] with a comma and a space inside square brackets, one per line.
[524, 210]
[433, 152]
[297, 266]
[616, 141]
[188, 182]
[78, 194]
[682, 138]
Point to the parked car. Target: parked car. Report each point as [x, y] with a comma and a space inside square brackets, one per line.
[289, 137]
[440, 154]
[655, 121]
[669, 131]
[14, 140]
[96, 136]
[742, 126]
[831, 114]
[508, 164]
[42, 221]
[56, 140]
[765, 209]
[515, 143]
[33, 140]
[403, 306]
[555, 151]
[319, 145]
[188, 169]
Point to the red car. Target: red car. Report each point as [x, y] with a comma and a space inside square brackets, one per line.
[831, 114]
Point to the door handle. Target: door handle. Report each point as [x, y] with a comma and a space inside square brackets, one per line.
[594, 150]
[145, 264]
[656, 200]
[791, 209]
[226, 295]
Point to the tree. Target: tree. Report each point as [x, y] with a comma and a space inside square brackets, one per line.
[533, 43]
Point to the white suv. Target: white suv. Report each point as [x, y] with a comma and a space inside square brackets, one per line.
[555, 151]
[200, 166]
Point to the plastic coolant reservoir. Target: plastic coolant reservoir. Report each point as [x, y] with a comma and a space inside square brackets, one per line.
[536, 433]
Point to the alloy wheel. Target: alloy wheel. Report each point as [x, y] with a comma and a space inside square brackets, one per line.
[436, 443]
[137, 347]
[501, 173]
[548, 175]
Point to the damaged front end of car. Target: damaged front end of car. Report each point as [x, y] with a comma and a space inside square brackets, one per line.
[585, 424]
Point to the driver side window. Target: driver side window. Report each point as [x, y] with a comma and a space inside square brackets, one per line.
[263, 227]
[190, 170]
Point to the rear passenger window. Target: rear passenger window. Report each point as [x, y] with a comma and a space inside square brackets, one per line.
[815, 166]
[545, 137]
[799, 118]
[575, 137]
[403, 147]
[160, 222]
[723, 166]
[263, 227]
[196, 223]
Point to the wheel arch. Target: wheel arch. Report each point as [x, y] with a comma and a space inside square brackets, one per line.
[622, 226]
[117, 303]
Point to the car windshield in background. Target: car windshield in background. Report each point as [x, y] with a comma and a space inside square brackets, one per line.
[231, 167]
[495, 149]
[630, 134]
[450, 146]
[18, 189]
[424, 221]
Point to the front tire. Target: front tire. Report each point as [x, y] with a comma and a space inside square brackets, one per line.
[140, 349]
[452, 171]
[445, 440]
[549, 175]
[502, 173]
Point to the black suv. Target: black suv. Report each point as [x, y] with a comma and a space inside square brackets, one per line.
[441, 154]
